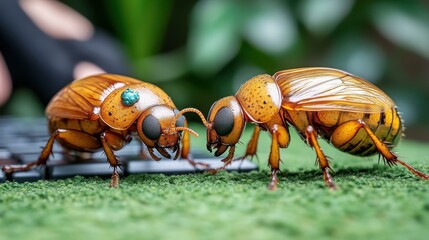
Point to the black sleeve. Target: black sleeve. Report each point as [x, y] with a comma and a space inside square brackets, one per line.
[44, 64]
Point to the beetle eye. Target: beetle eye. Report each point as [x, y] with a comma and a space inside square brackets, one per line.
[151, 127]
[223, 121]
[181, 120]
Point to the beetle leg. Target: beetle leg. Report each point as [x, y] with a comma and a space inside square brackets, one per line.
[227, 160]
[186, 143]
[185, 151]
[252, 145]
[114, 182]
[111, 157]
[78, 139]
[279, 139]
[390, 157]
[274, 160]
[196, 163]
[272, 186]
[43, 158]
[115, 140]
[321, 158]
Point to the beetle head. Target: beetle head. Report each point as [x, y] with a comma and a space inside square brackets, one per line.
[160, 127]
[153, 128]
[225, 124]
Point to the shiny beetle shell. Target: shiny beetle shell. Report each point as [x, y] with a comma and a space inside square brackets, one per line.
[352, 114]
[260, 98]
[104, 111]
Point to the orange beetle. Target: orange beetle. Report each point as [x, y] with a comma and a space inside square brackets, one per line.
[350, 113]
[104, 111]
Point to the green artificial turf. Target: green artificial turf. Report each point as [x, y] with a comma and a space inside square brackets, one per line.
[373, 202]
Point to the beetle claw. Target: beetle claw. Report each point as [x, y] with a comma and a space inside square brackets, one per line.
[114, 182]
[177, 150]
[163, 152]
[220, 149]
[152, 154]
[209, 147]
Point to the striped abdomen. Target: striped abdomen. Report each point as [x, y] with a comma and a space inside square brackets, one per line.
[387, 126]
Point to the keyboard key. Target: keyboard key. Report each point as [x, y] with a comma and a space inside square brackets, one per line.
[28, 176]
[22, 140]
[81, 169]
[184, 167]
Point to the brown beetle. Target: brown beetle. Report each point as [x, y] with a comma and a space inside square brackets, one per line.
[104, 111]
[350, 113]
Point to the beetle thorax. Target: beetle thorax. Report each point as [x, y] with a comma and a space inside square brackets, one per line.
[260, 98]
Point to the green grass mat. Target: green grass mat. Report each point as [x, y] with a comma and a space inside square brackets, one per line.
[374, 202]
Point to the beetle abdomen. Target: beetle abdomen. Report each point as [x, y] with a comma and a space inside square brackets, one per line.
[87, 126]
[86, 129]
[386, 126]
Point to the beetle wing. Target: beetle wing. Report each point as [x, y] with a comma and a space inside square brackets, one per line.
[326, 89]
[82, 98]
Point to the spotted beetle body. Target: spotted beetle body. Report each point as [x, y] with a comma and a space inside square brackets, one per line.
[105, 111]
[350, 113]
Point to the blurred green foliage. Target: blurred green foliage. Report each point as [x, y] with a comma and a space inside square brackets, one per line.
[200, 51]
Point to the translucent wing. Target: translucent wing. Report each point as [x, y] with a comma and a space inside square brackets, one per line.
[82, 98]
[317, 89]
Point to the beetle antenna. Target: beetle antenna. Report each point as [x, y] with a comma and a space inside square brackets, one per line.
[194, 110]
[186, 129]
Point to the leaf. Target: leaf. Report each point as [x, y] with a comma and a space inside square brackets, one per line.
[214, 35]
[407, 28]
[270, 27]
[140, 24]
[358, 55]
[321, 17]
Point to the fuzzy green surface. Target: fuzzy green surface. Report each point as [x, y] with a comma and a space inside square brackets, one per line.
[373, 201]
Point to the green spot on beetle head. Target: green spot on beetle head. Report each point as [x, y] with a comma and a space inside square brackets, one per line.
[129, 97]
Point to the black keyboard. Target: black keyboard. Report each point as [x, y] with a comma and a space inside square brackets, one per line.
[21, 141]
